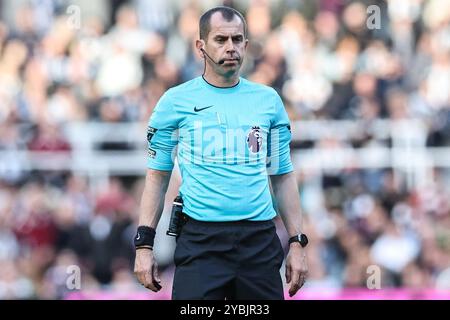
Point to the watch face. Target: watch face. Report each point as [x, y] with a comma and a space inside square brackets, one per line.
[303, 239]
[300, 238]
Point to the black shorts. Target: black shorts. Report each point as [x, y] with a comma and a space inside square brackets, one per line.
[228, 260]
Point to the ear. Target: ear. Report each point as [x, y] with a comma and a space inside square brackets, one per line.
[246, 44]
[200, 44]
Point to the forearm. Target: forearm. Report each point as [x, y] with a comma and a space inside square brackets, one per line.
[152, 201]
[286, 194]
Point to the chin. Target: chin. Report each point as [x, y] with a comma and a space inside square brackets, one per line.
[231, 72]
[231, 67]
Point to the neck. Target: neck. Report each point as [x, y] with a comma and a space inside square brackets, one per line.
[221, 81]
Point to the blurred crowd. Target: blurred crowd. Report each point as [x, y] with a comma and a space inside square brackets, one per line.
[67, 61]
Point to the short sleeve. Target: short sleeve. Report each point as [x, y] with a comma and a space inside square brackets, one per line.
[278, 151]
[162, 135]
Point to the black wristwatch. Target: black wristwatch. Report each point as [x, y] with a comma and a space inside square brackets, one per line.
[301, 238]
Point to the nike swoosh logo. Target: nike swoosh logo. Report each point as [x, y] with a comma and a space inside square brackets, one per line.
[138, 236]
[200, 109]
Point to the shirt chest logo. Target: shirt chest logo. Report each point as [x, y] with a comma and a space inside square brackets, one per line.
[197, 109]
[254, 139]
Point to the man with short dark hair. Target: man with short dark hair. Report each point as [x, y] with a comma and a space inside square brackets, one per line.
[231, 135]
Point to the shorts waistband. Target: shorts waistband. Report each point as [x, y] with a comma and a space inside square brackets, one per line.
[228, 223]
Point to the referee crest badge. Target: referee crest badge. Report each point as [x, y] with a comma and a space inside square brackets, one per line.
[151, 153]
[254, 139]
[150, 132]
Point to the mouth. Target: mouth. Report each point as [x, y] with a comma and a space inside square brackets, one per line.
[231, 61]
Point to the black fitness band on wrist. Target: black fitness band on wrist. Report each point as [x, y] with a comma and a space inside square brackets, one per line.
[145, 237]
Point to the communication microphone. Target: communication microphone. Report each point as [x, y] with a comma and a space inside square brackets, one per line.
[222, 61]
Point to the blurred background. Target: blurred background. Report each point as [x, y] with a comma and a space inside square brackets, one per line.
[367, 92]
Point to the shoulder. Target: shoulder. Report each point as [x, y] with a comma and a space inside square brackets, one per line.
[182, 89]
[260, 89]
[171, 97]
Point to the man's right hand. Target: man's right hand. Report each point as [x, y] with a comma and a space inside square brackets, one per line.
[146, 269]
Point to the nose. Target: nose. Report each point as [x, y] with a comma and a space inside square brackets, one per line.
[230, 46]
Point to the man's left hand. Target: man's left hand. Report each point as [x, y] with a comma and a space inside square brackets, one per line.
[296, 268]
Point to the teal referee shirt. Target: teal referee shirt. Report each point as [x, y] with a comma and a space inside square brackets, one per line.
[227, 141]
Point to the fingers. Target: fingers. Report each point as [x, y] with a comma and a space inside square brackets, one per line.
[145, 278]
[295, 284]
[302, 281]
[155, 272]
[149, 282]
[140, 276]
[148, 277]
[156, 280]
[288, 273]
[298, 280]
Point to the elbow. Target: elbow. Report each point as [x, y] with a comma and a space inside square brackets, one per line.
[158, 177]
[158, 173]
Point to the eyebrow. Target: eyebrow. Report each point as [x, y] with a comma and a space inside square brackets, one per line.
[222, 36]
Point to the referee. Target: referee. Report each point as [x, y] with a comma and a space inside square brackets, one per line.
[230, 136]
